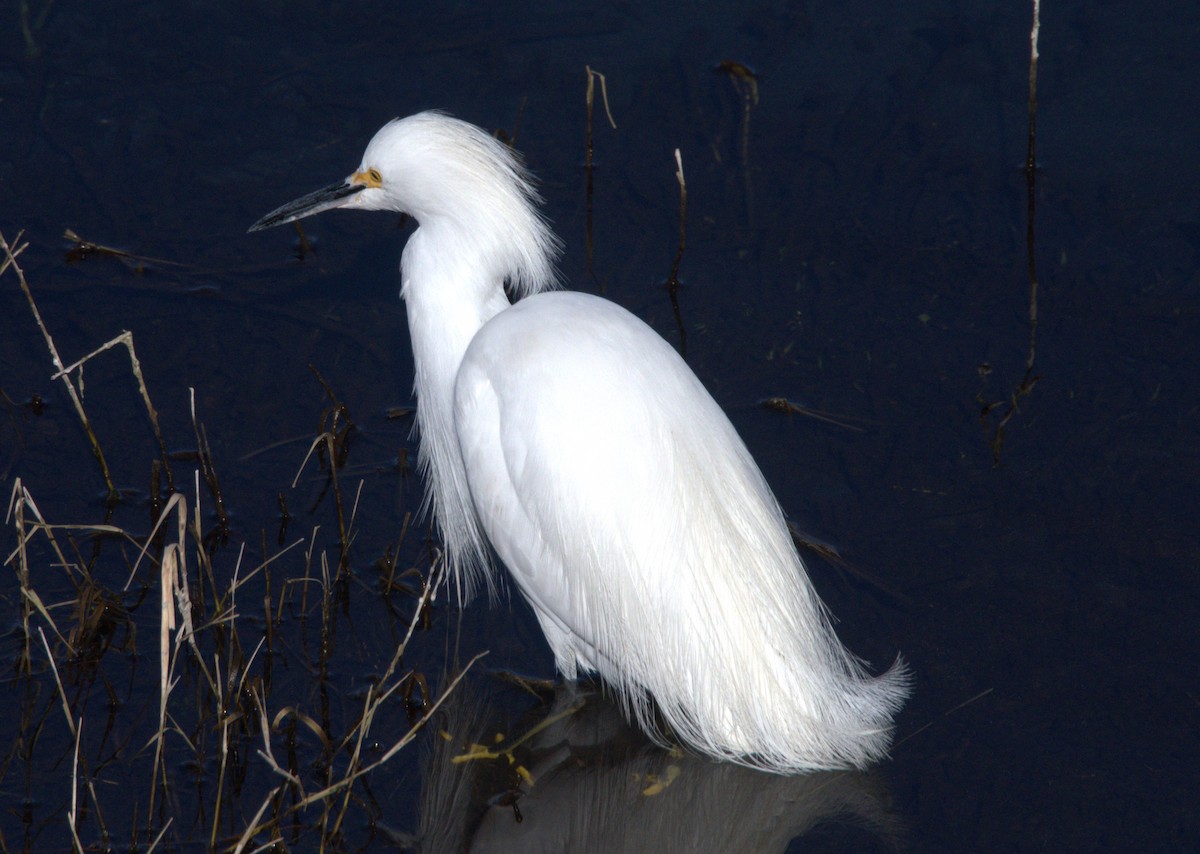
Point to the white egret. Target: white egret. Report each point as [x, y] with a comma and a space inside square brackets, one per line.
[565, 434]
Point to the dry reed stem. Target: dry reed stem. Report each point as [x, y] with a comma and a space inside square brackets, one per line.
[592, 77]
[22, 499]
[207, 466]
[172, 594]
[373, 703]
[673, 276]
[225, 720]
[682, 200]
[253, 827]
[73, 811]
[373, 700]
[16, 513]
[10, 260]
[29, 27]
[1031, 171]
[308, 579]
[1025, 387]
[62, 695]
[589, 99]
[391, 576]
[22, 502]
[124, 339]
[19, 501]
[161, 833]
[223, 726]
[344, 528]
[745, 82]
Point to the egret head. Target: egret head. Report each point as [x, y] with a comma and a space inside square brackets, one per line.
[425, 165]
[454, 178]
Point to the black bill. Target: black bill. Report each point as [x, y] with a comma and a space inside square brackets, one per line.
[321, 200]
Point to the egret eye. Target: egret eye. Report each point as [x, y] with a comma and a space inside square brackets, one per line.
[562, 434]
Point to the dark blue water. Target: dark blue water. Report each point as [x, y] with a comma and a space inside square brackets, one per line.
[857, 243]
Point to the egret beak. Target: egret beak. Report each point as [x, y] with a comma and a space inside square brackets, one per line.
[333, 196]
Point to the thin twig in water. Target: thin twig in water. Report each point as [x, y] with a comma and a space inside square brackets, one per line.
[1012, 406]
[592, 77]
[1030, 177]
[85, 249]
[673, 277]
[782, 404]
[947, 714]
[745, 81]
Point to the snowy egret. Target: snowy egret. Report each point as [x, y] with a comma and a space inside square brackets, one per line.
[564, 433]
